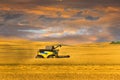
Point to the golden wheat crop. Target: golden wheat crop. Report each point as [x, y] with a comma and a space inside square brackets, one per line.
[96, 61]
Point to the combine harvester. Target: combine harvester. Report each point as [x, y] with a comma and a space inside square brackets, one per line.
[50, 52]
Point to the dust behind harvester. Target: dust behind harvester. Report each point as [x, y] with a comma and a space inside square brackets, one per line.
[50, 52]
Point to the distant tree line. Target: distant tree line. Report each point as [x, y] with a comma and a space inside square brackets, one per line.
[115, 42]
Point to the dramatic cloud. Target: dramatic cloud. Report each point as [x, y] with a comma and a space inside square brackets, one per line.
[70, 21]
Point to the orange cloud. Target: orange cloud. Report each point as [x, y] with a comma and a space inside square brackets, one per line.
[108, 9]
[41, 10]
[70, 19]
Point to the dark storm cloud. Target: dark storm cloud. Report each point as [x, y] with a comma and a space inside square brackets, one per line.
[31, 2]
[11, 22]
[78, 20]
[92, 18]
[8, 15]
[103, 39]
[66, 3]
[11, 17]
[7, 30]
[78, 14]
[12, 30]
[115, 31]
[49, 20]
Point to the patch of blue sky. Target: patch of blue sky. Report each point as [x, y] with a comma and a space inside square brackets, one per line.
[82, 31]
[34, 31]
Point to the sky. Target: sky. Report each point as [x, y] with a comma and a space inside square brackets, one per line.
[64, 21]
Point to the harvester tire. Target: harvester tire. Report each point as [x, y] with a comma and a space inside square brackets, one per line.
[50, 56]
[39, 56]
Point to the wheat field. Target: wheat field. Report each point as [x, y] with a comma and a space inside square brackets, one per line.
[94, 61]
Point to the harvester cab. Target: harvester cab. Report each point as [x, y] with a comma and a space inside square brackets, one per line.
[50, 52]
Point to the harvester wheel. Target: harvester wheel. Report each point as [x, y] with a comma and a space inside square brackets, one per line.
[39, 56]
[50, 56]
